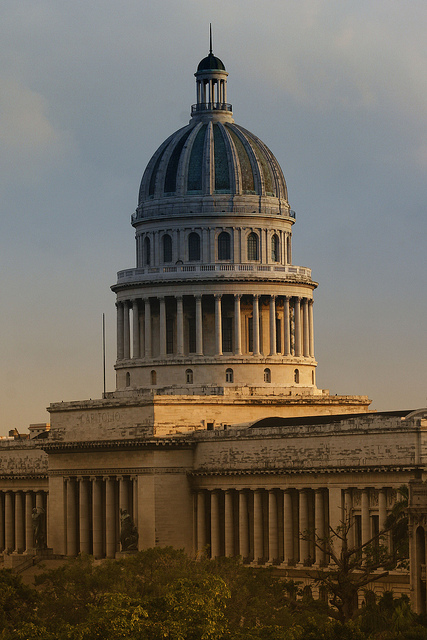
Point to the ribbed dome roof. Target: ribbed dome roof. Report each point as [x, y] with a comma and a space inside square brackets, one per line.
[211, 62]
[213, 157]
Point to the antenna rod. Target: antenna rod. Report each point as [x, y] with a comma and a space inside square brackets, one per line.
[103, 349]
[210, 37]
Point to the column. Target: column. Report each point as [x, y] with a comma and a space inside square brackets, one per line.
[29, 541]
[304, 546]
[134, 481]
[110, 519]
[123, 493]
[199, 326]
[237, 325]
[243, 525]
[19, 522]
[40, 500]
[179, 326]
[305, 332]
[366, 525]
[255, 324]
[218, 325]
[258, 527]
[71, 517]
[288, 528]
[311, 327]
[215, 539]
[319, 527]
[147, 325]
[97, 516]
[273, 546]
[272, 325]
[135, 330]
[120, 343]
[229, 524]
[162, 326]
[126, 330]
[9, 522]
[297, 318]
[382, 515]
[84, 516]
[348, 516]
[286, 326]
[201, 523]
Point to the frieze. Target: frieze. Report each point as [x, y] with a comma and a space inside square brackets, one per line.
[374, 497]
[137, 471]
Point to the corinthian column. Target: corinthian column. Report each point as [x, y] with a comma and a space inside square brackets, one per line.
[71, 518]
[120, 343]
[273, 547]
[110, 517]
[126, 330]
[229, 524]
[297, 317]
[179, 327]
[272, 325]
[311, 327]
[199, 326]
[162, 326]
[258, 529]
[84, 512]
[147, 325]
[135, 330]
[255, 324]
[218, 325]
[237, 326]
[306, 336]
[286, 326]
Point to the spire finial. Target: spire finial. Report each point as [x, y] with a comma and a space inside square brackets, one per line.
[210, 38]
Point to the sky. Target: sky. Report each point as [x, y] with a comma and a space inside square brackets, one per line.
[89, 90]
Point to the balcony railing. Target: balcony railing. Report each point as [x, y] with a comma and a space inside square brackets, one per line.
[211, 106]
[233, 271]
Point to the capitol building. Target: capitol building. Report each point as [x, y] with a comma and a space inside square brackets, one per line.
[217, 439]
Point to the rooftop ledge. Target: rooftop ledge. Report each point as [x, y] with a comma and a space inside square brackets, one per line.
[233, 271]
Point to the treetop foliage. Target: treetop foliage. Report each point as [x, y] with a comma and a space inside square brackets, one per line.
[163, 594]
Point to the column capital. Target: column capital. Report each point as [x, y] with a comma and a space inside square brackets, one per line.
[256, 296]
[218, 296]
[237, 296]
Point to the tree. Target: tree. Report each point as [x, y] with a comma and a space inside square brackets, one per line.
[352, 568]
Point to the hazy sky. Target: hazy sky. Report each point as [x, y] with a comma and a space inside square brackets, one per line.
[89, 90]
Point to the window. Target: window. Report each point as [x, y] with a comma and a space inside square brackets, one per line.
[227, 335]
[278, 335]
[189, 376]
[312, 377]
[192, 335]
[193, 247]
[167, 248]
[253, 246]
[250, 334]
[296, 376]
[229, 375]
[275, 249]
[288, 250]
[169, 334]
[147, 251]
[153, 377]
[224, 246]
[267, 375]
[128, 379]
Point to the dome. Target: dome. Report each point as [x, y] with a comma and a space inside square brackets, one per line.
[206, 158]
[211, 62]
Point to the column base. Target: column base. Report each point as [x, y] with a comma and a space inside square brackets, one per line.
[125, 554]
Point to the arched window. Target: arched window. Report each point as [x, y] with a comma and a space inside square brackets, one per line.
[267, 375]
[193, 247]
[229, 375]
[153, 377]
[312, 377]
[288, 250]
[167, 248]
[189, 376]
[224, 246]
[147, 251]
[253, 246]
[275, 248]
[296, 376]
[127, 379]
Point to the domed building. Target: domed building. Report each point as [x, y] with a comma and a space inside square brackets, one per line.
[216, 439]
[215, 305]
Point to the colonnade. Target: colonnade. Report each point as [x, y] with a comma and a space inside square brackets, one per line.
[212, 90]
[282, 525]
[92, 512]
[16, 524]
[291, 316]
